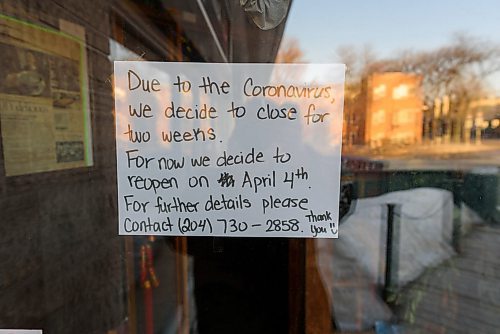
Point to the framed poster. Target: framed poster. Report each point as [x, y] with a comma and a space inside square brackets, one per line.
[44, 114]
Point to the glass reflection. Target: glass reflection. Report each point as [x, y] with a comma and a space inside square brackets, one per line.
[420, 188]
[421, 149]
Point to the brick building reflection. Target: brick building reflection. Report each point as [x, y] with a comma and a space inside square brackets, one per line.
[388, 111]
[447, 121]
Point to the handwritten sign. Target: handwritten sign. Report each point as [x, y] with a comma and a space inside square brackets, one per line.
[247, 150]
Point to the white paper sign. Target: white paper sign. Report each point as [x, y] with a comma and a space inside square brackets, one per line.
[247, 150]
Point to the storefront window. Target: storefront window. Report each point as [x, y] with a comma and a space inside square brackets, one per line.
[416, 209]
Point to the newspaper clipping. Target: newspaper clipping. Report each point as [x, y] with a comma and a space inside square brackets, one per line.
[43, 100]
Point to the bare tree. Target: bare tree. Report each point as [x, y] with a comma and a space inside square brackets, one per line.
[359, 63]
[458, 70]
[463, 64]
[290, 52]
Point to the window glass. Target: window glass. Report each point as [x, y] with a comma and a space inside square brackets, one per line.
[419, 192]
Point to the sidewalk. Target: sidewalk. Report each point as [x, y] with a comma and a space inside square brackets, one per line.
[462, 295]
[433, 156]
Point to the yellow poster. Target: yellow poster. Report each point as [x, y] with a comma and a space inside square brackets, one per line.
[44, 112]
